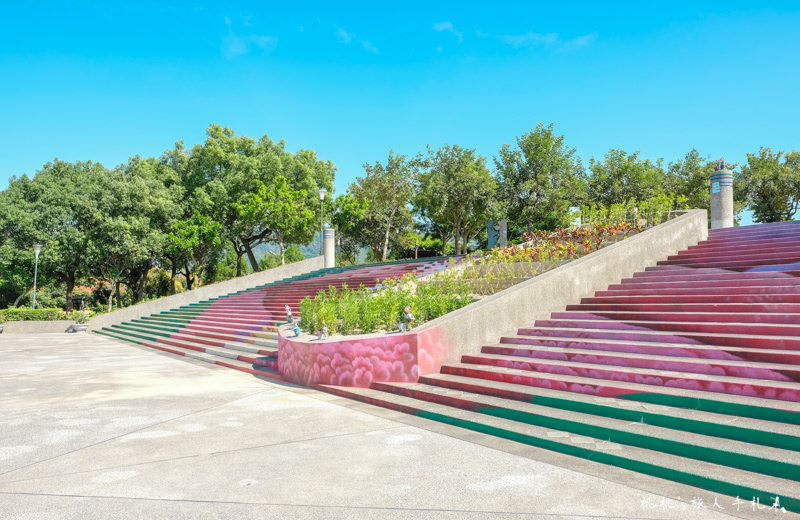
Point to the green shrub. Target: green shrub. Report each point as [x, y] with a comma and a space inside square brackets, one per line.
[364, 310]
[27, 314]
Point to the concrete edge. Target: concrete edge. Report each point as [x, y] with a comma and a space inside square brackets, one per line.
[468, 328]
[37, 327]
[206, 292]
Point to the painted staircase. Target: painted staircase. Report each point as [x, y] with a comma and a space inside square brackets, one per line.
[688, 371]
[239, 330]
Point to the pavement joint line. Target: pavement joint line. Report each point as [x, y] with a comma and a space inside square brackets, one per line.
[184, 457]
[98, 443]
[320, 506]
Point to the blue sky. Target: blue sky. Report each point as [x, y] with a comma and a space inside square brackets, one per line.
[101, 81]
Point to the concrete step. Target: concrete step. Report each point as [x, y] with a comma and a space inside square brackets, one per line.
[236, 364]
[742, 264]
[689, 274]
[697, 308]
[737, 385]
[766, 248]
[665, 299]
[745, 368]
[697, 289]
[640, 391]
[679, 327]
[739, 454]
[518, 427]
[756, 316]
[588, 331]
[710, 284]
[666, 348]
[704, 416]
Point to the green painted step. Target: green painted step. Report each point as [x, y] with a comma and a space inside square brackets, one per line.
[760, 432]
[706, 475]
[736, 454]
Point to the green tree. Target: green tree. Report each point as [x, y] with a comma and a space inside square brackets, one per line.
[347, 215]
[280, 209]
[539, 180]
[228, 169]
[197, 241]
[53, 209]
[621, 177]
[388, 189]
[770, 186]
[456, 193]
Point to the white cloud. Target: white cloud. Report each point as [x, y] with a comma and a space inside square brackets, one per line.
[369, 47]
[580, 41]
[550, 40]
[448, 27]
[529, 39]
[234, 44]
[344, 36]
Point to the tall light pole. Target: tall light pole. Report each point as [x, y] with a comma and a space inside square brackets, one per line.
[322, 192]
[36, 249]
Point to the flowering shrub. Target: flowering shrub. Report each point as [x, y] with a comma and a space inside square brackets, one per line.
[366, 310]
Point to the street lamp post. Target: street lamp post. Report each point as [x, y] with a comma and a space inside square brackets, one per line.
[322, 192]
[36, 249]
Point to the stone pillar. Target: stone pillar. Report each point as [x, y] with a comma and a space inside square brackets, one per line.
[329, 247]
[721, 196]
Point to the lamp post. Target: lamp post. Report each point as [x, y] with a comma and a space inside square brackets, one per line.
[36, 249]
[322, 192]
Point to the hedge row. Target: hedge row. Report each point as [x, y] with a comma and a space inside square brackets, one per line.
[24, 314]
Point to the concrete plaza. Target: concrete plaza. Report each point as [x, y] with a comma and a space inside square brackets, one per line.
[94, 429]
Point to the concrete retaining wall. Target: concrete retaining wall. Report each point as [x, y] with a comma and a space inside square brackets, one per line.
[206, 292]
[467, 329]
[403, 357]
[37, 327]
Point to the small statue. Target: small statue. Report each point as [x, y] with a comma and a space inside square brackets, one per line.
[324, 330]
[405, 324]
[296, 330]
[289, 317]
[720, 165]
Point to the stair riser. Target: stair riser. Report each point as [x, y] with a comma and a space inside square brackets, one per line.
[715, 456]
[676, 350]
[695, 317]
[713, 328]
[733, 264]
[608, 388]
[720, 275]
[706, 367]
[662, 291]
[793, 283]
[734, 254]
[710, 308]
[757, 299]
[633, 335]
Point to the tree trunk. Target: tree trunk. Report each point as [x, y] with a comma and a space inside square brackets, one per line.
[172, 272]
[69, 279]
[239, 253]
[386, 236]
[251, 257]
[140, 282]
[457, 229]
[16, 302]
[119, 294]
[189, 279]
[280, 244]
[111, 296]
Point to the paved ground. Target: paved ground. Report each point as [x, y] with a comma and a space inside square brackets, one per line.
[91, 428]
